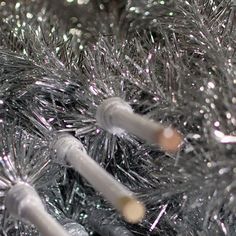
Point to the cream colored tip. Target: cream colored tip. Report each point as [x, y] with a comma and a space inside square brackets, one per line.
[169, 139]
[132, 210]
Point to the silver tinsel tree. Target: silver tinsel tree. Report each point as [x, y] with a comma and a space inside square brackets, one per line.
[173, 61]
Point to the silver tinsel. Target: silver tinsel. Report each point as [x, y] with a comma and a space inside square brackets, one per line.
[24, 158]
[174, 61]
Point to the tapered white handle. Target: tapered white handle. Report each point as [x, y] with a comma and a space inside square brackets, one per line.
[71, 151]
[23, 202]
[46, 225]
[116, 116]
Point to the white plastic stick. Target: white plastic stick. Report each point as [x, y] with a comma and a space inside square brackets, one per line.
[44, 222]
[71, 151]
[116, 116]
[23, 202]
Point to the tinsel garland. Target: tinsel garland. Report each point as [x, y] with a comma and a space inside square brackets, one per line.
[172, 60]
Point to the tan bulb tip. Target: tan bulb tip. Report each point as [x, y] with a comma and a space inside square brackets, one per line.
[132, 210]
[169, 139]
